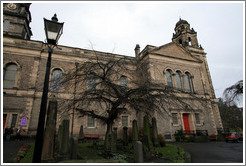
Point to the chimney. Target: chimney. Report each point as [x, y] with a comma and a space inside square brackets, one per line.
[137, 50]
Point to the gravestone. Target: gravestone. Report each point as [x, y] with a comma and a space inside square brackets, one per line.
[74, 148]
[138, 152]
[125, 136]
[155, 133]
[134, 131]
[81, 133]
[65, 139]
[59, 139]
[147, 144]
[50, 132]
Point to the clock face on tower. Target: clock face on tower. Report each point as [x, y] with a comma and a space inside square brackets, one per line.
[11, 6]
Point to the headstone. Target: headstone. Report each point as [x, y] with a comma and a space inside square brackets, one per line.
[50, 132]
[134, 131]
[65, 139]
[138, 152]
[59, 139]
[125, 136]
[148, 145]
[81, 133]
[155, 133]
[74, 148]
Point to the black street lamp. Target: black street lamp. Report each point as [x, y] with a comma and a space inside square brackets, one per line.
[53, 31]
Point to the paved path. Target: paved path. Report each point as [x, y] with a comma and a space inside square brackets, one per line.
[214, 152]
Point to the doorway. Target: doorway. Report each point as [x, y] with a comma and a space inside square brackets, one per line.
[186, 123]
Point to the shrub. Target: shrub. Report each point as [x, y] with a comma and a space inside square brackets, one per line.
[179, 135]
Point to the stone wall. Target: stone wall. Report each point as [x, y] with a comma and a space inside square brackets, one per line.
[31, 57]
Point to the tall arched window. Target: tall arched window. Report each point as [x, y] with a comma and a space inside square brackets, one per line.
[56, 78]
[178, 80]
[10, 75]
[123, 82]
[169, 78]
[188, 84]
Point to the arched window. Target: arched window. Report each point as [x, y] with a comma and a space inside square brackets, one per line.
[169, 78]
[179, 81]
[189, 39]
[180, 41]
[123, 82]
[188, 84]
[10, 76]
[56, 78]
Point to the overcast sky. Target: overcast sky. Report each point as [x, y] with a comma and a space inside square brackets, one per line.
[118, 26]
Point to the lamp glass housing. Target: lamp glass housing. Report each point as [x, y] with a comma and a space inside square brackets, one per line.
[53, 31]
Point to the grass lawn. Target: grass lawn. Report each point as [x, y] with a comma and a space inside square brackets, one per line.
[88, 154]
[171, 153]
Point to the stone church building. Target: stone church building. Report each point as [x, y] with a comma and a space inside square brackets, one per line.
[182, 63]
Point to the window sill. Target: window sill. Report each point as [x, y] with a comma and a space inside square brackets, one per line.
[91, 127]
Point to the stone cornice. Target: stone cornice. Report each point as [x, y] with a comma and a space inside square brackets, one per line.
[178, 58]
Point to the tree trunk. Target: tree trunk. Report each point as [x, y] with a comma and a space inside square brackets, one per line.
[108, 137]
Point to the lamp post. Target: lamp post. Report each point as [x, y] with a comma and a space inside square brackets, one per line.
[53, 31]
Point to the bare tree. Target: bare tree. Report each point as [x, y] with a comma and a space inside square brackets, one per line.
[231, 116]
[109, 85]
[234, 93]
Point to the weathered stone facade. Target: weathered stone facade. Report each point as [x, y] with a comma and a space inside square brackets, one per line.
[183, 55]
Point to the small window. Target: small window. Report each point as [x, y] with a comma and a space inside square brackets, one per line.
[90, 122]
[197, 117]
[189, 39]
[56, 78]
[180, 41]
[13, 120]
[175, 118]
[124, 121]
[91, 83]
[6, 24]
[169, 78]
[123, 82]
[10, 76]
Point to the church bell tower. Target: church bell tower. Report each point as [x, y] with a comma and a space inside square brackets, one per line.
[16, 20]
[185, 36]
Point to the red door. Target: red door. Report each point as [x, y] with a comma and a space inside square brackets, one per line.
[186, 123]
[4, 120]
